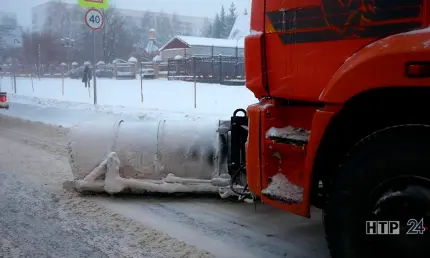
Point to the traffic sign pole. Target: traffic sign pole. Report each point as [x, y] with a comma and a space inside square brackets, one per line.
[94, 69]
[95, 20]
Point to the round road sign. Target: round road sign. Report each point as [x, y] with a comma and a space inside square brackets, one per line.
[94, 19]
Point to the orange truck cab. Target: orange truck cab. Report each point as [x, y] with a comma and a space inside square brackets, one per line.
[343, 119]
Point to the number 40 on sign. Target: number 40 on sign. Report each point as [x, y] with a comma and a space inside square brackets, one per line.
[94, 19]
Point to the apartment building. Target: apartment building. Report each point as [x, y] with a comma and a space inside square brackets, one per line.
[186, 25]
[8, 19]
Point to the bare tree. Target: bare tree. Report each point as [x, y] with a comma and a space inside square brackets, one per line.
[111, 33]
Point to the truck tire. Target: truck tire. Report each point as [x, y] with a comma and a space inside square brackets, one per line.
[385, 177]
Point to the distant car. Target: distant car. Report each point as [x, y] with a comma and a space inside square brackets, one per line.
[147, 73]
[76, 73]
[105, 73]
[125, 72]
[3, 101]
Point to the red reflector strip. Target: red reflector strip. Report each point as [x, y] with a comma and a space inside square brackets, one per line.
[418, 70]
[415, 70]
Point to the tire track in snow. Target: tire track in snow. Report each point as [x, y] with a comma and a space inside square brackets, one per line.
[210, 226]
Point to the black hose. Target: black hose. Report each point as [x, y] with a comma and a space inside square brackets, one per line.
[233, 180]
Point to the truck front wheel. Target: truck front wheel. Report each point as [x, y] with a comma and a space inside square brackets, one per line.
[384, 178]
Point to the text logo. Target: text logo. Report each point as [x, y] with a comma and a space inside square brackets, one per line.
[382, 227]
[414, 227]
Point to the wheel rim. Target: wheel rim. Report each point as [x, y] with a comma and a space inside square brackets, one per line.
[400, 199]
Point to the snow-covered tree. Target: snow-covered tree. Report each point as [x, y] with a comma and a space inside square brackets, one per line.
[217, 27]
[207, 29]
[112, 34]
[231, 18]
[224, 24]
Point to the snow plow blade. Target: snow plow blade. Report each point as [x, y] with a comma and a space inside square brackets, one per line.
[158, 157]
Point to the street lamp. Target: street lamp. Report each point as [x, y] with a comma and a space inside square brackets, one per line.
[67, 43]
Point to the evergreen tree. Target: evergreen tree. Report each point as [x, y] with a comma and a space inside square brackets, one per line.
[217, 27]
[224, 30]
[231, 18]
[206, 29]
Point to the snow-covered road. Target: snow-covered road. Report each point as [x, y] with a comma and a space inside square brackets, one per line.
[41, 217]
[39, 213]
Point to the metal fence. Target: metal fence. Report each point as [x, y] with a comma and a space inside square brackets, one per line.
[51, 71]
[226, 70]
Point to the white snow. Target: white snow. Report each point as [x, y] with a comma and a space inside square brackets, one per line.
[167, 99]
[288, 132]
[254, 32]
[157, 58]
[282, 188]
[241, 27]
[132, 60]
[163, 97]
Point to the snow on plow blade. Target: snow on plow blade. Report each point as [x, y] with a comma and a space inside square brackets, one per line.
[141, 157]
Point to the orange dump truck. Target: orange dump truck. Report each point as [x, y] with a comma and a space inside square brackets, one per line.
[342, 120]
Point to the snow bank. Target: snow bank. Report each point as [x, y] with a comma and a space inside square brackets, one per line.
[161, 96]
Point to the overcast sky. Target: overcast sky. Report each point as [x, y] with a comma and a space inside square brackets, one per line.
[186, 7]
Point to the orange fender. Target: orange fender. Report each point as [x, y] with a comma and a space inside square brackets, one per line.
[380, 64]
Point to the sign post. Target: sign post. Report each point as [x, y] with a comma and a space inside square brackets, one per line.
[95, 20]
[141, 82]
[195, 82]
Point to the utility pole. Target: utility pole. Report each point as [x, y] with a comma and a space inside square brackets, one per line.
[39, 59]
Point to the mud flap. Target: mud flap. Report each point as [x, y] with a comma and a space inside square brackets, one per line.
[278, 140]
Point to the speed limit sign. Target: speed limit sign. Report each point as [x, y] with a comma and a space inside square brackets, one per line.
[94, 19]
